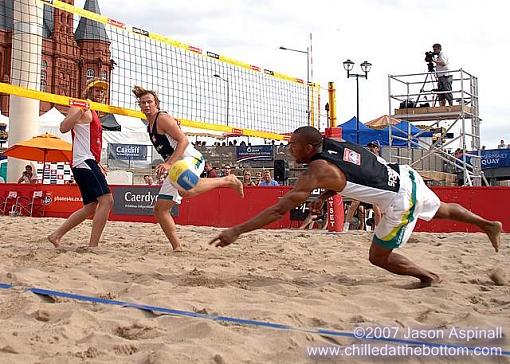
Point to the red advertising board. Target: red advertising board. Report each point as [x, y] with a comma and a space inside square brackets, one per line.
[223, 207]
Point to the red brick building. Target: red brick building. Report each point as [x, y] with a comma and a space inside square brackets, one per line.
[70, 56]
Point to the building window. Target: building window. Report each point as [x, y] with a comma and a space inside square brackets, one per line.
[103, 75]
[44, 76]
[43, 86]
[44, 65]
[90, 74]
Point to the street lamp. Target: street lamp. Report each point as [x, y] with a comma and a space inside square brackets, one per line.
[307, 52]
[228, 92]
[365, 67]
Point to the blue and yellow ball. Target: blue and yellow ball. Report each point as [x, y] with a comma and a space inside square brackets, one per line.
[184, 174]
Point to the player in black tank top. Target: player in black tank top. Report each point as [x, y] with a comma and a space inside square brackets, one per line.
[338, 167]
[160, 141]
[173, 145]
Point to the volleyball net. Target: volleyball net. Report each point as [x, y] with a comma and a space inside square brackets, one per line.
[201, 88]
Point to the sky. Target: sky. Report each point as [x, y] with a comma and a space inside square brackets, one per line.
[392, 35]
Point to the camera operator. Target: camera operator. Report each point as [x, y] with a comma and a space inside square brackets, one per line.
[444, 79]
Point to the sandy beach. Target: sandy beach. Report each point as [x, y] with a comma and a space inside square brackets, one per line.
[304, 279]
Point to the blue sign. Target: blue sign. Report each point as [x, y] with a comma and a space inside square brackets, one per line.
[495, 158]
[255, 153]
[127, 151]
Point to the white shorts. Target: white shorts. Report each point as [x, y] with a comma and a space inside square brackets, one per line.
[413, 201]
[170, 192]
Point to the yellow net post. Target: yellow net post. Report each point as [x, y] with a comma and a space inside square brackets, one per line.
[332, 104]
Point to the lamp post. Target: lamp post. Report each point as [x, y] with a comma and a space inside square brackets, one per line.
[228, 92]
[307, 52]
[365, 67]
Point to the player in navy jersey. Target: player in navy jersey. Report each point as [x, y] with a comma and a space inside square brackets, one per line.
[354, 172]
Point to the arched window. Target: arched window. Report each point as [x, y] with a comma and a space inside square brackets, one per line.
[44, 75]
[44, 65]
[90, 74]
[43, 86]
[69, 19]
[103, 75]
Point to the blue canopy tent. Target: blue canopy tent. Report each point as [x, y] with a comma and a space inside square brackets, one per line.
[366, 135]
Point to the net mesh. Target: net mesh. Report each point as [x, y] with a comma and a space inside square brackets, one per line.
[202, 87]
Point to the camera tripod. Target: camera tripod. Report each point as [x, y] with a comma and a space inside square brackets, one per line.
[433, 78]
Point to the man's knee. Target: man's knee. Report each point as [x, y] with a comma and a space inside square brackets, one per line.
[106, 200]
[377, 255]
[162, 208]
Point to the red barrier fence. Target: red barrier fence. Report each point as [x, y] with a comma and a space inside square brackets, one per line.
[223, 207]
[490, 202]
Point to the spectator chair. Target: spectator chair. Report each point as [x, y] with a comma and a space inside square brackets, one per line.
[9, 201]
[26, 206]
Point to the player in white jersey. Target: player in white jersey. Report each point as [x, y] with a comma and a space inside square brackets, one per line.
[399, 191]
[86, 130]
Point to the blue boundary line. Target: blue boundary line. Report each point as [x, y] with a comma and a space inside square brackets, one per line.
[233, 320]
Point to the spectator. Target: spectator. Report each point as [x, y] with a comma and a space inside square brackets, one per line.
[148, 180]
[247, 179]
[227, 170]
[483, 147]
[267, 180]
[160, 178]
[258, 177]
[27, 176]
[502, 144]
[209, 171]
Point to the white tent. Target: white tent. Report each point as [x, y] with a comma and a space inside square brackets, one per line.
[49, 122]
[133, 131]
[5, 120]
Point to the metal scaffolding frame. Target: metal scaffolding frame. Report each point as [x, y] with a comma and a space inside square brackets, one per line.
[413, 97]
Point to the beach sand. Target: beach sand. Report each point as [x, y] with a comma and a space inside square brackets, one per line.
[304, 279]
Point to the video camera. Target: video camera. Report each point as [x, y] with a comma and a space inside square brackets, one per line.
[429, 57]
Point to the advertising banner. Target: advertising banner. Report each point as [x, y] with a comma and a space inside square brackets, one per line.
[254, 153]
[136, 200]
[133, 152]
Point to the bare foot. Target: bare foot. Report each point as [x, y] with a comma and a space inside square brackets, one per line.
[493, 231]
[178, 249]
[54, 240]
[236, 184]
[429, 281]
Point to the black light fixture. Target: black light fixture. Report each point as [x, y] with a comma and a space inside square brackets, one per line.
[365, 67]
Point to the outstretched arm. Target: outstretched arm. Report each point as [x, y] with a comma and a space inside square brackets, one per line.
[304, 186]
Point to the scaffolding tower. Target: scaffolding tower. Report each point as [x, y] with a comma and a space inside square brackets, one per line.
[413, 97]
